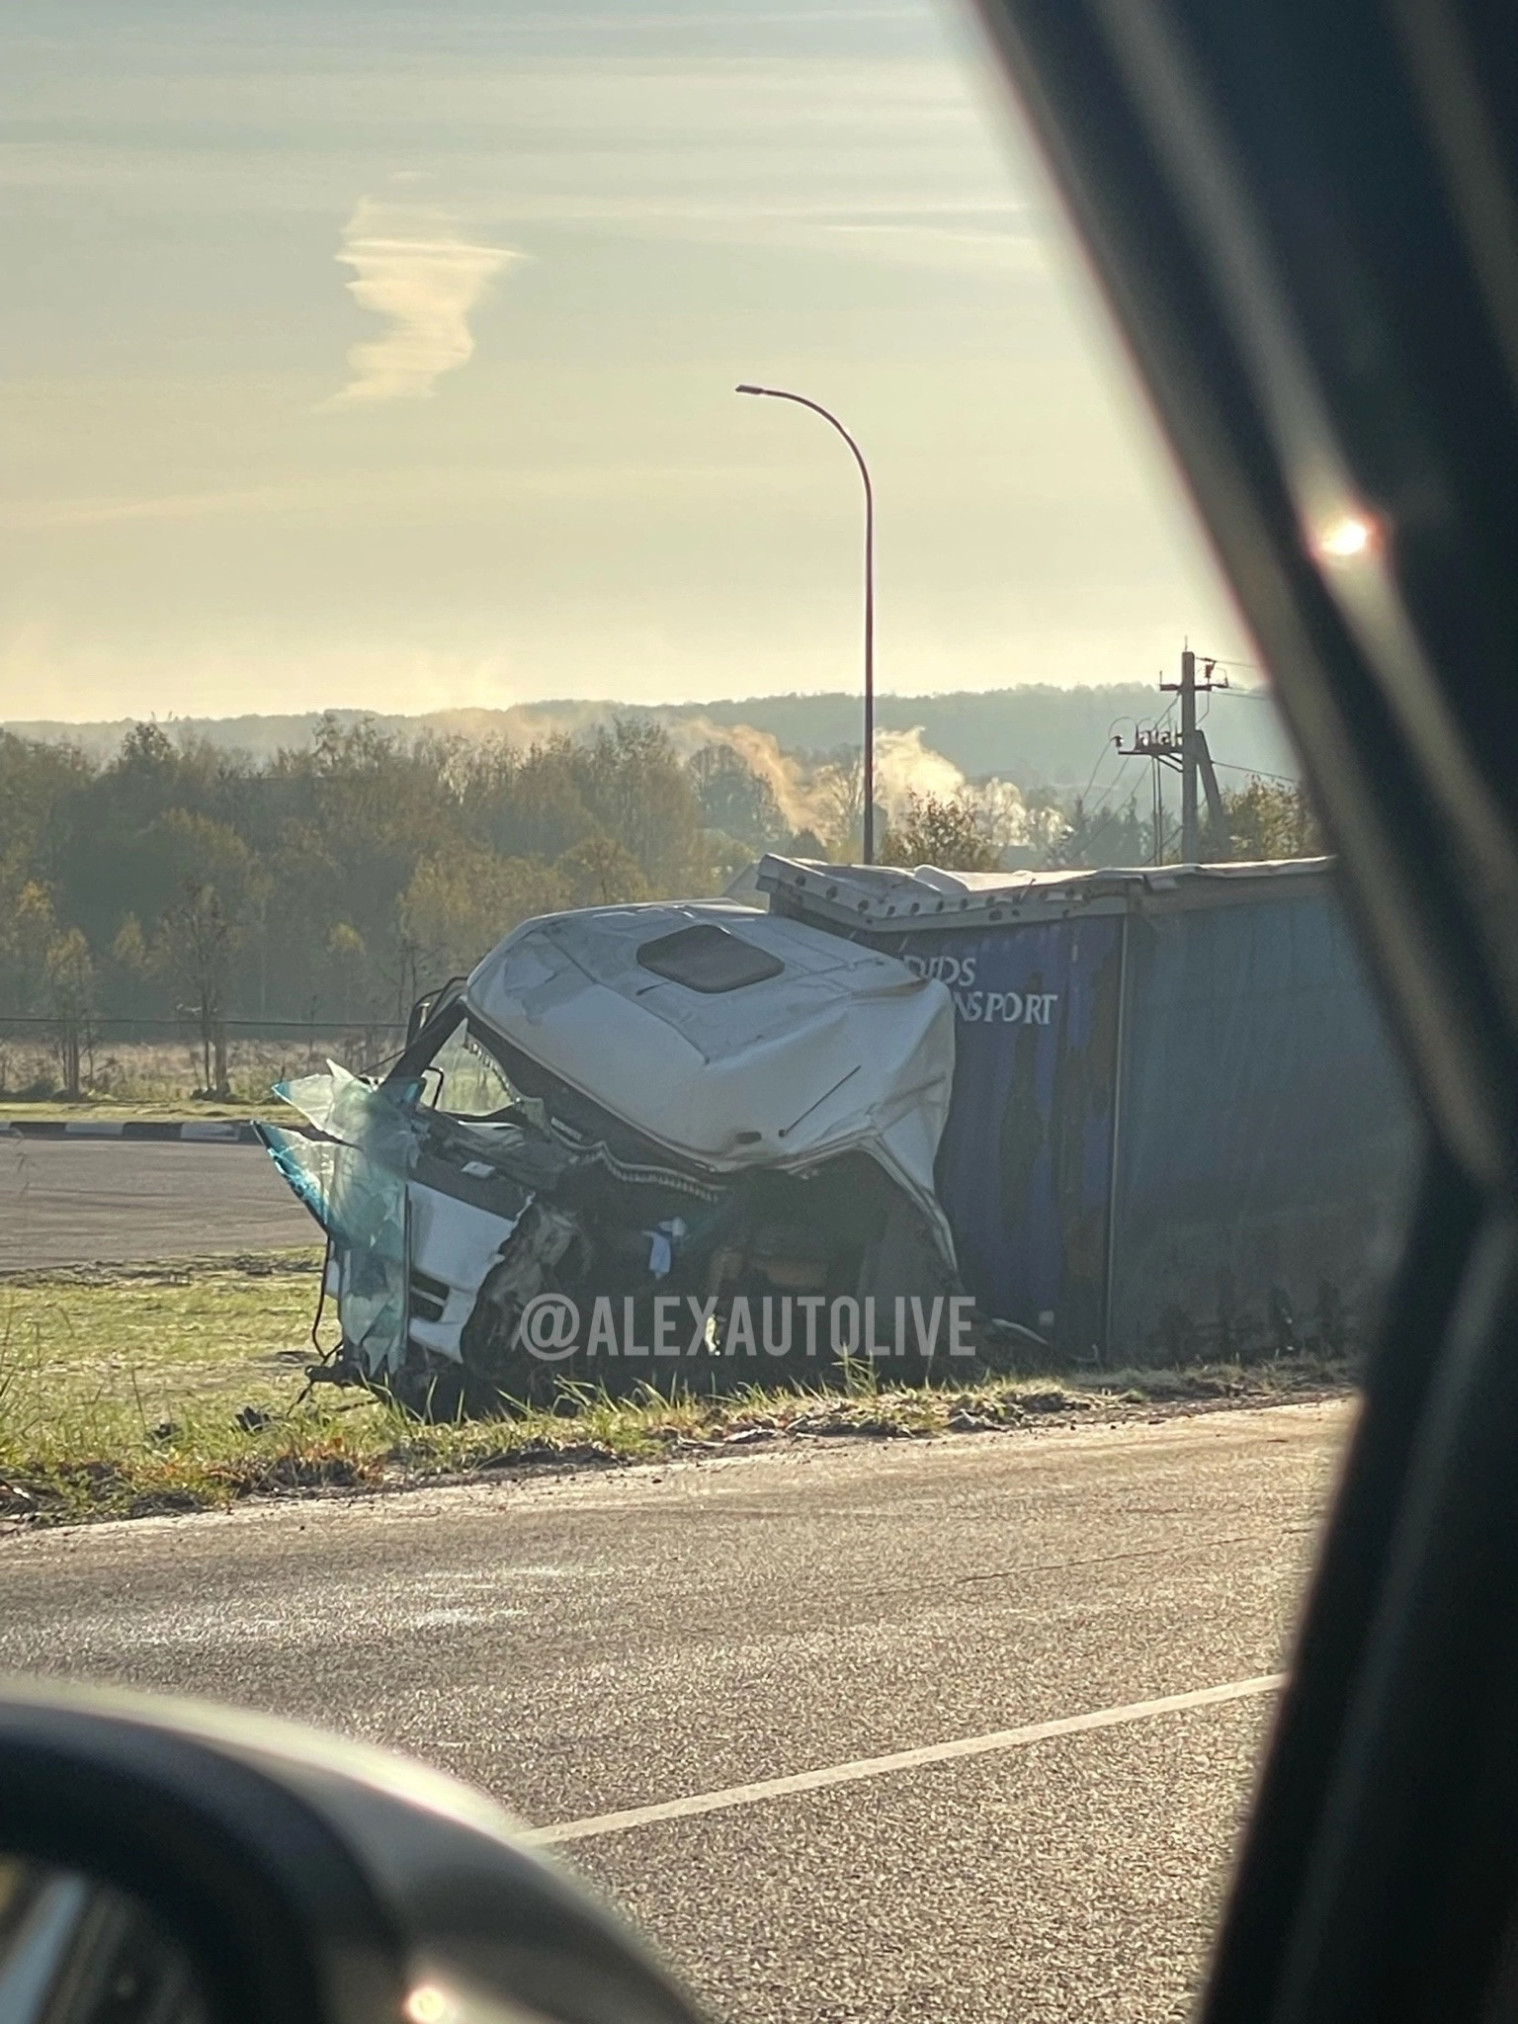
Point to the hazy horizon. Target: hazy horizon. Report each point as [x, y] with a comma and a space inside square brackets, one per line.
[1034, 736]
[1251, 684]
[371, 359]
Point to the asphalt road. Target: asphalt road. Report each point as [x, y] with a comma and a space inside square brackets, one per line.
[86, 1201]
[610, 1642]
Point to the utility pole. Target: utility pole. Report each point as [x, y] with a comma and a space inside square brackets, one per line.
[1189, 841]
[1184, 752]
[1192, 745]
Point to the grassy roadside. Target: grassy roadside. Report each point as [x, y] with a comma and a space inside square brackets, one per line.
[129, 1391]
[100, 1110]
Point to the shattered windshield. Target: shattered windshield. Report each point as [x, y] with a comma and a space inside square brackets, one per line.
[683, 1091]
[463, 1079]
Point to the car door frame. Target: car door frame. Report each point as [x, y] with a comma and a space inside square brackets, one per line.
[1302, 219]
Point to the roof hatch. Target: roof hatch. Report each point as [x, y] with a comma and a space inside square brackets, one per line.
[705, 957]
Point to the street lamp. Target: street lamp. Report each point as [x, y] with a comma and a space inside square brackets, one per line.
[776, 394]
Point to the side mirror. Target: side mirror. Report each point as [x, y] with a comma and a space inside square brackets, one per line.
[172, 1862]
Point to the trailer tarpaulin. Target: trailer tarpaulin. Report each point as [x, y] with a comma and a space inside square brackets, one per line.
[1267, 1141]
[1025, 1161]
[1176, 1126]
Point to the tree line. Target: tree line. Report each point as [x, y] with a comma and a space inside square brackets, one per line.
[1265, 818]
[334, 883]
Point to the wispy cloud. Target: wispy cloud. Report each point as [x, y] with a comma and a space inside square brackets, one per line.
[411, 266]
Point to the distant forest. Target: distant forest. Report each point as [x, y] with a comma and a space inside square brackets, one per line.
[334, 880]
[1033, 735]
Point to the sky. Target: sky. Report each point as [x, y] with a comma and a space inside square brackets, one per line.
[383, 356]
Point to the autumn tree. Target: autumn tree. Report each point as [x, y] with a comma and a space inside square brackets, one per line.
[460, 902]
[27, 928]
[638, 791]
[735, 799]
[71, 996]
[946, 832]
[1271, 819]
[41, 789]
[196, 941]
[1093, 838]
[600, 872]
[837, 794]
[530, 804]
[220, 886]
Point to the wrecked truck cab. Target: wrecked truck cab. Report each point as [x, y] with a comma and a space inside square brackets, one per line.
[633, 1142]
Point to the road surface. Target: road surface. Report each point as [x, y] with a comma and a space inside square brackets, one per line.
[85, 1201]
[651, 1638]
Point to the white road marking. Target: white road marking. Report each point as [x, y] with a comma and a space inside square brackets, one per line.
[899, 1760]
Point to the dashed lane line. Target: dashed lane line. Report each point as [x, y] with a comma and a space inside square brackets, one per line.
[899, 1760]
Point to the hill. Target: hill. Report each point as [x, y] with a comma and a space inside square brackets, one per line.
[1035, 735]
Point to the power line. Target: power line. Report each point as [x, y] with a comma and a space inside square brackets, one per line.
[1091, 808]
[1105, 803]
[1258, 773]
[1091, 781]
[1107, 745]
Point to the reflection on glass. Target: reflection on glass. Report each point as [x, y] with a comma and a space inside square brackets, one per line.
[76, 1951]
[463, 1080]
[1351, 534]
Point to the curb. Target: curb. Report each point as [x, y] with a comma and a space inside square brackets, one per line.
[207, 1131]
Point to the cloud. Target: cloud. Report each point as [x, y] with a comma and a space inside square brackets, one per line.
[411, 266]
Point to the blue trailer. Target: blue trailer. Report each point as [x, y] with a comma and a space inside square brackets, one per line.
[1177, 1128]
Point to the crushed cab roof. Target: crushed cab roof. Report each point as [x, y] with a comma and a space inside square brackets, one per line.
[736, 1038]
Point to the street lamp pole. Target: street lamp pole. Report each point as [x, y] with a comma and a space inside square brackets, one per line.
[777, 394]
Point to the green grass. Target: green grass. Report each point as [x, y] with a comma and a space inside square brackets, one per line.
[132, 1390]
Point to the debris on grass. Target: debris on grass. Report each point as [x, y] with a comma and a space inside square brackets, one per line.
[148, 1390]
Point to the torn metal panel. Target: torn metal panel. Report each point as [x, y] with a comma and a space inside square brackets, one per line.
[352, 1176]
[851, 897]
[417, 1205]
[804, 1048]
[696, 1106]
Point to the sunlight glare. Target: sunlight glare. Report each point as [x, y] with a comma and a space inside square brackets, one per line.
[1344, 538]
